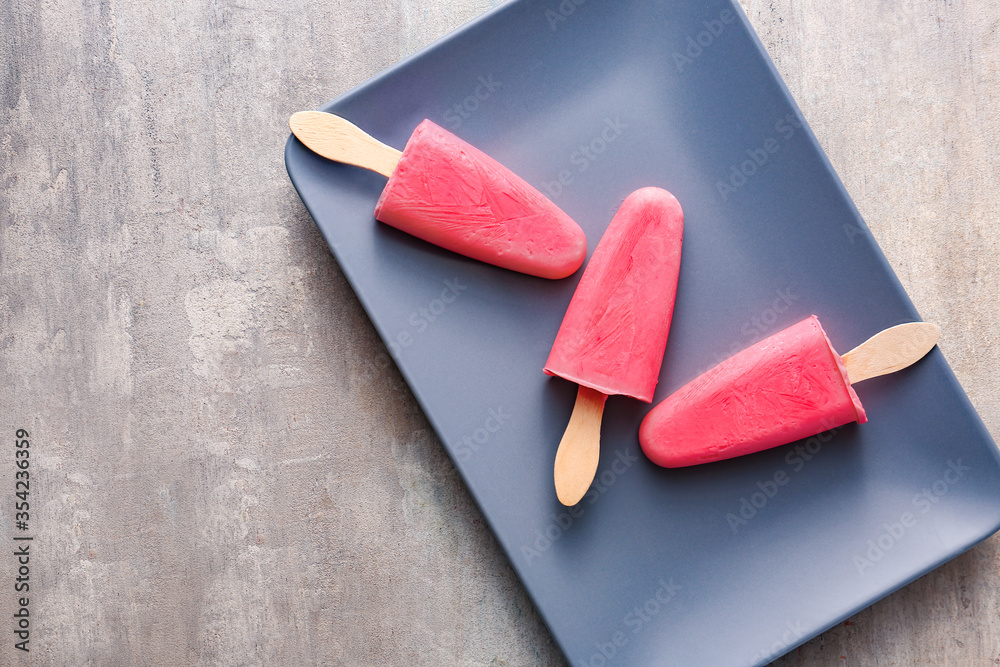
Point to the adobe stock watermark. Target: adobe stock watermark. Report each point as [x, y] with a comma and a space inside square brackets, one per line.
[585, 155]
[758, 156]
[380, 365]
[561, 13]
[480, 437]
[922, 24]
[420, 321]
[697, 43]
[852, 230]
[635, 620]
[543, 540]
[794, 633]
[424, 317]
[923, 502]
[764, 491]
[461, 111]
[757, 325]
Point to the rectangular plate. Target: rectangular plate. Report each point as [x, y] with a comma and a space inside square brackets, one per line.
[657, 565]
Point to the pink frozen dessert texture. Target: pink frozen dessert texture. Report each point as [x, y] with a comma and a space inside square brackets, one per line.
[450, 193]
[615, 330]
[786, 387]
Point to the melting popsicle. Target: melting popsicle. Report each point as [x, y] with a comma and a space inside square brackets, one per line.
[614, 333]
[449, 193]
[789, 386]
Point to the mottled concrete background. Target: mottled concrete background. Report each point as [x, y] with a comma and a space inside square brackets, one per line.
[226, 467]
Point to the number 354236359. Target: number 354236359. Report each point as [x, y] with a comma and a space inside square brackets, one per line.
[22, 486]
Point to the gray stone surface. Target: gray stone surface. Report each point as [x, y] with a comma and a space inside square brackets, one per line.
[226, 467]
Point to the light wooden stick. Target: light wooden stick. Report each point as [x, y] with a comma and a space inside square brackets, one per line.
[580, 447]
[891, 350]
[341, 140]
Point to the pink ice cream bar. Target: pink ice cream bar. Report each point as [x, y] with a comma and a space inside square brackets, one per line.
[786, 387]
[451, 194]
[615, 329]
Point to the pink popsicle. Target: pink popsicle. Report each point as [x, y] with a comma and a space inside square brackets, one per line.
[786, 387]
[450, 193]
[615, 330]
[612, 337]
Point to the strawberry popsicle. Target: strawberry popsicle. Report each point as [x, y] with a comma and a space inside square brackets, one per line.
[614, 333]
[451, 194]
[786, 387]
[615, 330]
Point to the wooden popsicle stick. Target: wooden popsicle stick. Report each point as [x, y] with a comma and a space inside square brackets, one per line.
[341, 140]
[891, 350]
[580, 447]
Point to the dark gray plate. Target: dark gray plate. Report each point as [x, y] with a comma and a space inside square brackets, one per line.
[731, 563]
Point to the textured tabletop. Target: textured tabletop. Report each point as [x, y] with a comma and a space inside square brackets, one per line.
[226, 466]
